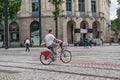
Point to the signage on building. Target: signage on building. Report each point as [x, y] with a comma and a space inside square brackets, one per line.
[83, 31]
[77, 30]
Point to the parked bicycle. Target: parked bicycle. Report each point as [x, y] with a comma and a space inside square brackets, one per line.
[47, 56]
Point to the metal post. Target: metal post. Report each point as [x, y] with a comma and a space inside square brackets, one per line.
[40, 33]
[6, 23]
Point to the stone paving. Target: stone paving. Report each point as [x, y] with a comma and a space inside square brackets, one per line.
[97, 63]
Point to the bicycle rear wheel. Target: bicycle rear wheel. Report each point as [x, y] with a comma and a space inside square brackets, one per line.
[45, 60]
[65, 56]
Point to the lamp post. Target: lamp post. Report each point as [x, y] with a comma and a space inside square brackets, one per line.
[6, 23]
[40, 33]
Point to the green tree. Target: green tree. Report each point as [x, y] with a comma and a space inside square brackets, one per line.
[57, 4]
[116, 22]
[118, 1]
[13, 8]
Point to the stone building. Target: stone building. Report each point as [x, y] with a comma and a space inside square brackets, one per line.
[78, 19]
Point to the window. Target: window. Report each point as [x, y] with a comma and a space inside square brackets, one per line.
[69, 7]
[35, 8]
[93, 7]
[81, 8]
[14, 32]
[34, 33]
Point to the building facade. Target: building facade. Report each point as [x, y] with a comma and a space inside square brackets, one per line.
[78, 20]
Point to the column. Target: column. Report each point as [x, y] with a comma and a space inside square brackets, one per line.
[27, 7]
[88, 7]
[77, 35]
[43, 5]
[73, 7]
[77, 13]
[64, 8]
[30, 6]
[98, 7]
[49, 7]
[90, 27]
[65, 31]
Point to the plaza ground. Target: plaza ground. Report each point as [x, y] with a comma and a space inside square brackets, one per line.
[96, 63]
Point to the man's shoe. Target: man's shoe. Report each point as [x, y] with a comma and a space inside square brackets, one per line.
[55, 53]
[52, 58]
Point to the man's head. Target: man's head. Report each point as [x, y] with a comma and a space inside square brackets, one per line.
[50, 30]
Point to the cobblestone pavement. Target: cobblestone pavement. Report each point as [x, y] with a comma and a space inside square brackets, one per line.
[97, 63]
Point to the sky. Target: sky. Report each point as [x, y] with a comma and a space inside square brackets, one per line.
[113, 9]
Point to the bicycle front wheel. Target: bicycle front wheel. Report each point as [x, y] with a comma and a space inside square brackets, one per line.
[65, 56]
[44, 60]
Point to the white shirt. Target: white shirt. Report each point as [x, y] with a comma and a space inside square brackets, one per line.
[27, 41]
[49, 38]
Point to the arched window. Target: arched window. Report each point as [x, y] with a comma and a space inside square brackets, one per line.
[1, 33]
[69, 7]
[14, 32]
[34, 33]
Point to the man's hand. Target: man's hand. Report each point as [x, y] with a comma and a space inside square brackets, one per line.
[59, 41]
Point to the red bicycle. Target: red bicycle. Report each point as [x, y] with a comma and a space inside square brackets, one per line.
[47, 56]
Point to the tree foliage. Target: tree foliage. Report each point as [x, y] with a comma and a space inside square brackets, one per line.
[57, 4]
[115, 25]
[116, 22]
[118, 1]
[13, 8]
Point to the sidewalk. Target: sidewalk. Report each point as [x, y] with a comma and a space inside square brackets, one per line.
[97, 63]
[104, 44]
[112, 44]
[70, 45]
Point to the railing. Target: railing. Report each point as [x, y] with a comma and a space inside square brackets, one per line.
[35, 13]
[69, 13]
[82, 14]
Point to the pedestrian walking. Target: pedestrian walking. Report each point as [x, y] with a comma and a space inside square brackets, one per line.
[27, 45]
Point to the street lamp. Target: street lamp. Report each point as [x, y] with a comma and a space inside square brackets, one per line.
[6, 23]
[40, 33]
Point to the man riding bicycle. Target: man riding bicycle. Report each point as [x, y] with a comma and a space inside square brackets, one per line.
[52, 42]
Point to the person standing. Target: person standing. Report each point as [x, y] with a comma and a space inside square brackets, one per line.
[85, 43]
[90, 42]
[27, 45]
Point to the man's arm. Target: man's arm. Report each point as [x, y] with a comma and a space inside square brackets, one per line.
[57, 40]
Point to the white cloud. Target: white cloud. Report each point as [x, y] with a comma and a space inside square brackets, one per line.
[113, 9]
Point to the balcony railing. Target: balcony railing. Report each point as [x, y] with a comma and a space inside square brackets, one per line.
[69, 13]
[82, 14]
[35, 13]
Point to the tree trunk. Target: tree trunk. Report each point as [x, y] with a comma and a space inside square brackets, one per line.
[56, 26]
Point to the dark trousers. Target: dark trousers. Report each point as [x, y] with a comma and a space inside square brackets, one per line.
[27, 47]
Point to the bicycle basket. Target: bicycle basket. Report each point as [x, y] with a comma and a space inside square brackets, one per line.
[65, 45]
